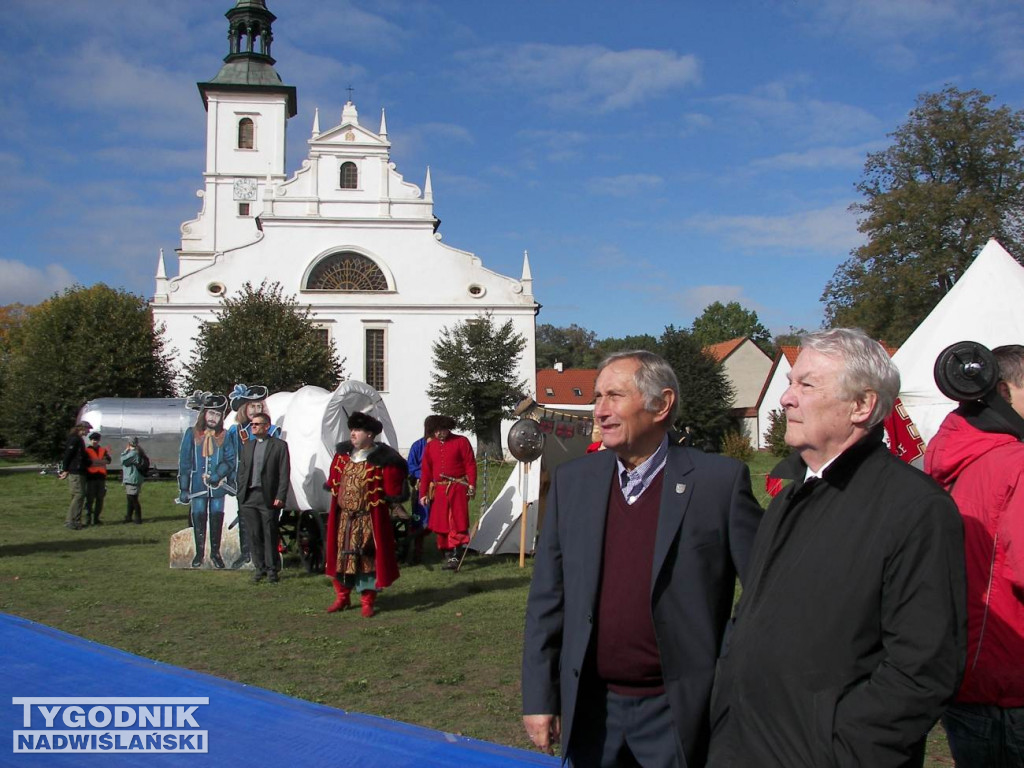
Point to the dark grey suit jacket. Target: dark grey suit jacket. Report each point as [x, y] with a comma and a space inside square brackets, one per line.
[273, 478]
[706, 526]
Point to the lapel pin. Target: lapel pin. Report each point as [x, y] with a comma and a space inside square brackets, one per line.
[680, 487]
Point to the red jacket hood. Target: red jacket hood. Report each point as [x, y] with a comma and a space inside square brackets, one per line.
[956, 446]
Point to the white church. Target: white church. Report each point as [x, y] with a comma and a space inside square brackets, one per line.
[345, 234]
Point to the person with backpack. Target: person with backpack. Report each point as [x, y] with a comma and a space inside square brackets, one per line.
[134, 468]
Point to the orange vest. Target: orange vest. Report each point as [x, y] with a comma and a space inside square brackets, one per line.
[98, 460]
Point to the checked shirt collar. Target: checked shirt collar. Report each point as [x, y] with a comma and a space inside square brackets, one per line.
[634, 482]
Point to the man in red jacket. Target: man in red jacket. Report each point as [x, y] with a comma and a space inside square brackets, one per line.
[978, 457]
[447, 483]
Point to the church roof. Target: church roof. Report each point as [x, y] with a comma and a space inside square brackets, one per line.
[249, 64]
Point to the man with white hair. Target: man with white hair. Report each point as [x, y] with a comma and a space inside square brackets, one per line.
[849, 639]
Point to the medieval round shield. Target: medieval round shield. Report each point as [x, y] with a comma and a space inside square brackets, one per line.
[965, 371]
[525, 440]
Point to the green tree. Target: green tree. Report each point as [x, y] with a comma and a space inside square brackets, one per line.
[705, 394]
[790, 338]
[607, 346]
[474, 379]
[952, 178]
[262, 337]
[11, 318]
[775, 435]
[77, 346]
[572, 346]
[722, 322]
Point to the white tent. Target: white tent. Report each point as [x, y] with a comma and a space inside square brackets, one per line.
[498, 532]
[985, 305]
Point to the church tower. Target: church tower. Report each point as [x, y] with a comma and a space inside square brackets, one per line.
[247, 109]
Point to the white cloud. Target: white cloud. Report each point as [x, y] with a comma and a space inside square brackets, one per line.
[773, 110]
[625, 185]
[694, 122]
[590, 78]
[30, 285]
[818, 158]
[832, 229]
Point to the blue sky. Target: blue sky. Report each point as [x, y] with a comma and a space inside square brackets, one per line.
[651, 156]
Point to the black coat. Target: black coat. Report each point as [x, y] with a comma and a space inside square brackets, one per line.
[850, 637]
[75, 460]
[706, 525]
[274, 478]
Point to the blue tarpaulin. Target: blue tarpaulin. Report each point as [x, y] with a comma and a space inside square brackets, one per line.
[238, 725]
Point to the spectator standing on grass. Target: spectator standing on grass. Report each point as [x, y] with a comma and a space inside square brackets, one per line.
[132, 477]
[246, 402]
[977, 455]
[447, 483]
[849, 638]
[264, 472]
[633, 583]
[74, 466]
[95, 478]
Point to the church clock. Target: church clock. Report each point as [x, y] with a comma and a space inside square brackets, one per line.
[245, 189]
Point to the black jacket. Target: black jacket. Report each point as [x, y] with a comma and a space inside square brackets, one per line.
[274, 479]
[850, 637]
[75, 461]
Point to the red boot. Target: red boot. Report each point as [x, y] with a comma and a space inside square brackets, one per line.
[367, 598]
[343, 593]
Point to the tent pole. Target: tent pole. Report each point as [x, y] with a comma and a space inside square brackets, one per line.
[524, 484]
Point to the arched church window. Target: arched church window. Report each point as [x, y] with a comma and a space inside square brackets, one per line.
[346, 271]
[349, 176]
[246, 133]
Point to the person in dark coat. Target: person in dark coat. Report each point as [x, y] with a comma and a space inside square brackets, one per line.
[849, 639]
[75, 466]
[633, 582]
[264, 469]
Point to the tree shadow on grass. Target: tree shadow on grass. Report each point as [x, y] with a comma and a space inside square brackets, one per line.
[64, 546]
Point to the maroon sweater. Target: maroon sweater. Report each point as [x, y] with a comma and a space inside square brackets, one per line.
[626, 653]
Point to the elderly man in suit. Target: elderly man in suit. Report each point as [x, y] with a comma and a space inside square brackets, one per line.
[633, 582]
[263, 472]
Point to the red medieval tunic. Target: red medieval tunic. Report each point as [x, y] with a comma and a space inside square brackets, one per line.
[360, 538]
[451, 467]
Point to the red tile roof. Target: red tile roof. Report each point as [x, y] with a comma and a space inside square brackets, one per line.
[723, 349]
[563, 386]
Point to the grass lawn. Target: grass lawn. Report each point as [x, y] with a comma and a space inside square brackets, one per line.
[443, 652]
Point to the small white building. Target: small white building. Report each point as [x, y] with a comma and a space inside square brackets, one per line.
[775, 386]
[746, 367]
[346, 234]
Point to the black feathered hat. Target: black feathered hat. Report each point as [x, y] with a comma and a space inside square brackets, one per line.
[206, 401]
[242, 394]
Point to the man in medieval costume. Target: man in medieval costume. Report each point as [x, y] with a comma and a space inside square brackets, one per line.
[246, 402]
[206, 472]
[447, 483]
[366, 480]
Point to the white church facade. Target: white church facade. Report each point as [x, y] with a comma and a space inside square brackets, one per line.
[345, 234]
